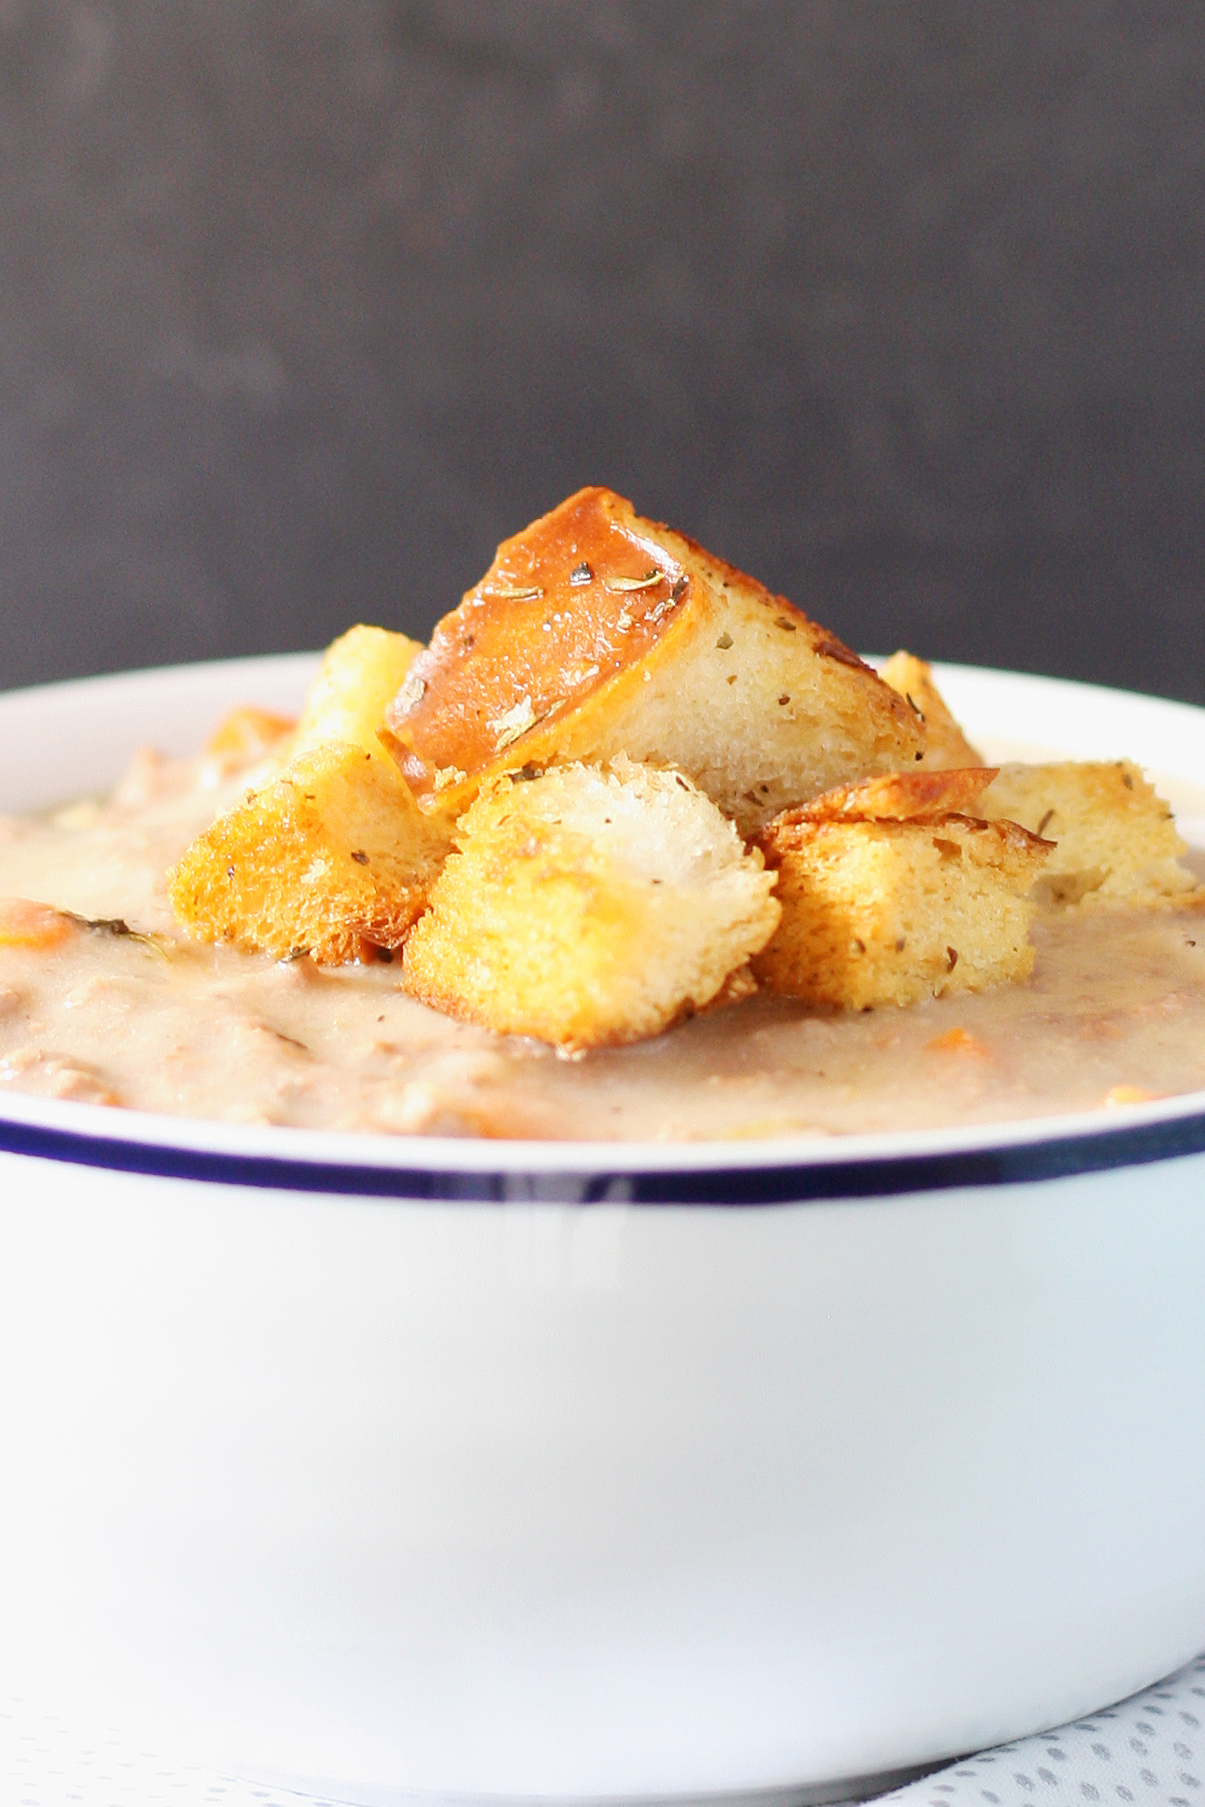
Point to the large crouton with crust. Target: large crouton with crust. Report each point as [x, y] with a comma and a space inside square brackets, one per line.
[891, 895]
[1115, 838]
[333, 858]
[589, 907]
[596, 632]
[946, 746]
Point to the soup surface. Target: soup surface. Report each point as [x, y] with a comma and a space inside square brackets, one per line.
[1114, 1013]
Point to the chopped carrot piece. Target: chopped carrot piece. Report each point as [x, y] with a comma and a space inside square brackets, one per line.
[246, 732]
[959, 1041]
[34, 925]
[1128, 1094]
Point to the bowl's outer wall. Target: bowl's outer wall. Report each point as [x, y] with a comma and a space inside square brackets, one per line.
[544, 1500]
[540, 1499]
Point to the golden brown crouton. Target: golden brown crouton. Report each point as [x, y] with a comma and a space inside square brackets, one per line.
[878, 910]
[358, 679]
[1115, 838]
[595, 632]
[945, 742]
[331, 858]
[589, 907]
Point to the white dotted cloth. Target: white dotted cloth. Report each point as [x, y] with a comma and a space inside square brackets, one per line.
[1147, 1751]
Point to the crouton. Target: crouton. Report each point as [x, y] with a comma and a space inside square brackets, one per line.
[333, 858]
[879, 909]
[590, 907]
[358, 678]
[595, 632]
[1115, 838]
[945, 743]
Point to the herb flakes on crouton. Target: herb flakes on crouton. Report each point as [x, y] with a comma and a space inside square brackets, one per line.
[596, 632]
[590, 907]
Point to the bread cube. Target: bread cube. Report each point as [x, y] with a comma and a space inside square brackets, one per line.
[945, 743]
[589, 907]
[358, 679]
[333, 858]
[881, 909]
[596, 633]
[1115, 838]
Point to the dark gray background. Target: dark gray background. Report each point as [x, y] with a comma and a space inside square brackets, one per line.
[900, 306]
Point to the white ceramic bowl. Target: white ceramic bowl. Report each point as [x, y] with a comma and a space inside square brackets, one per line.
[423, 1467]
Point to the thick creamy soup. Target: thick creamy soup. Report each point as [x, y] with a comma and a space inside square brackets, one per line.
[1114, 1013]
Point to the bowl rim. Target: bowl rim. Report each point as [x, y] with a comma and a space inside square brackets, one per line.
[796, 1168]
[769, 1171]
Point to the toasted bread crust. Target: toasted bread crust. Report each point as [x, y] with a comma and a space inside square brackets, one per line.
[898, 797]
[596, 632]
